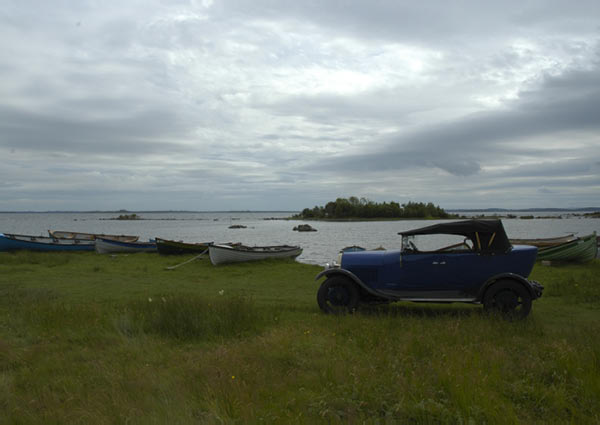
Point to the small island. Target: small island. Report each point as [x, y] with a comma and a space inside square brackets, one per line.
[127, 217]
[354, 208]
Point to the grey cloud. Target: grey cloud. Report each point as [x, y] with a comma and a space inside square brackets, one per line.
[142, 134]
[567, 104]
[432, 23]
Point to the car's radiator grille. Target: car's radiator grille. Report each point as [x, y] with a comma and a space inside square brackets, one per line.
[366, 274]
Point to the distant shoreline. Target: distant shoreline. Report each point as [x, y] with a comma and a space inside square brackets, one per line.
[153, 212]
[454, 210]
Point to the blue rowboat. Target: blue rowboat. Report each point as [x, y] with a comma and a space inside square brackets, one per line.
[106, 246]
[11, 242]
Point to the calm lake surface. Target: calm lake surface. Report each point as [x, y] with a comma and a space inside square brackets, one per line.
[319, 247]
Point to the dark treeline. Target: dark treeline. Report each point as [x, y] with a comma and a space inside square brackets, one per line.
[363, 208]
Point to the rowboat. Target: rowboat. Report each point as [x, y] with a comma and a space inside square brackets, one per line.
[353, 248]
[106, 246]
[544, 242]
[580, 250]
[221, 254]
[11, 242]
[59, 234]
[168, 247]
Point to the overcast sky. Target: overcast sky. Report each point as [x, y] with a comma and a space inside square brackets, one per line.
[287, 104]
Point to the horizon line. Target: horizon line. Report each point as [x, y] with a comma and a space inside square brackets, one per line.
[122, 211]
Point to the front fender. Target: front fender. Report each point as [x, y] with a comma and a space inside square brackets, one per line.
[534, 289]
[342, 272]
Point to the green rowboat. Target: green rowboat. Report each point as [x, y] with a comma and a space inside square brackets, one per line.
[580, 250]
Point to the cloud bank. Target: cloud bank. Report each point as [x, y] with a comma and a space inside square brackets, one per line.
[212, 105]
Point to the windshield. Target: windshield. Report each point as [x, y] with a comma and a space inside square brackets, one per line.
[436, 243]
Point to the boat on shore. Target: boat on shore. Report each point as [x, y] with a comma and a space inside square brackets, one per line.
[222, 254]
[107, 246]
[12, 242]
[353, 248]
[545, 242]
[169, 247]
[580, 250]
[60, 234]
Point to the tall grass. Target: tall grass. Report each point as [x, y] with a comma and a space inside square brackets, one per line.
[190, 318]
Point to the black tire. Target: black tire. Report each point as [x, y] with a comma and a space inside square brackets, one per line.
[508, 298]
[338, 295]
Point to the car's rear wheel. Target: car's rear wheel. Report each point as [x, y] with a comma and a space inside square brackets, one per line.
[508, 298]
[338, 295]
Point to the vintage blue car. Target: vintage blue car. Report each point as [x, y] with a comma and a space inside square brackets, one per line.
[475, 263]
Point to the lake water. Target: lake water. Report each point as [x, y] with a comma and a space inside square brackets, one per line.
[319, 247]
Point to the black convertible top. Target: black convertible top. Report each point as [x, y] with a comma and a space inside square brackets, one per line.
[487, 235]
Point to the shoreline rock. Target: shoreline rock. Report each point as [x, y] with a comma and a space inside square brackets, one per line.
[304, 228]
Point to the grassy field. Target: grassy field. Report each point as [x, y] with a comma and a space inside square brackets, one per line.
[95, 339]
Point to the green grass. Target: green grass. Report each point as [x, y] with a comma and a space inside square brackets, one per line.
[88, 338]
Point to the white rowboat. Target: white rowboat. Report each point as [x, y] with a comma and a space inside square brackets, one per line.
[221, 254]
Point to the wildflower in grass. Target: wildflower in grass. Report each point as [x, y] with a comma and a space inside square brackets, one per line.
[232, 376]
[221, 292]
[149, 299]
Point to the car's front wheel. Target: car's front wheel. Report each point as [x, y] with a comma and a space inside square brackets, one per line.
[508, 298]
[338, 295]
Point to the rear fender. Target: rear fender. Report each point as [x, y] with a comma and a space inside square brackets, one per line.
[508, 276]
[341, 272]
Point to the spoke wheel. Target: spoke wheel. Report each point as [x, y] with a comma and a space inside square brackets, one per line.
[509, 299]
[338, 295]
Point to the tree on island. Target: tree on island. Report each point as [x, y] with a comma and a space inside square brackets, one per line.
[353, 207]
[128, 217]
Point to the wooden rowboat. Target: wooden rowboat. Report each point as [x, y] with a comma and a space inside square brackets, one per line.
[59, 234]
[12, 242]
[580, 250]
[544, 242]
[352, 248]
[168, 247]
[221, 254]
[106, 246]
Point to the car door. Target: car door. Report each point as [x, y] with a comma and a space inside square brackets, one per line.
[431, 275]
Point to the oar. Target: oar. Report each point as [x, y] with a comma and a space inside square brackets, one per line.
[188, 261]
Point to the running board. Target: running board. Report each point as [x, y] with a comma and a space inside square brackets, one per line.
[438, 300]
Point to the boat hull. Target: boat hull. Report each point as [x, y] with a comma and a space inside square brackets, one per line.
[223, 254]
[545, 242]
[11, 242]
[107, 246]
[581, 250]
[59, 234]
[169, 247]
